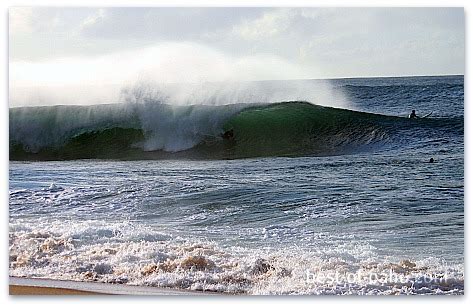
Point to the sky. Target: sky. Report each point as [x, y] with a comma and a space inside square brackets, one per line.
[114, 46]
[324, 42]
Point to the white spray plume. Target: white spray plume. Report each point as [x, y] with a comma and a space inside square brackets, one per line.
[173, 73]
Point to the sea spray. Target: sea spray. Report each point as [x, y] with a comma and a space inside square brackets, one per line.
[170, 73]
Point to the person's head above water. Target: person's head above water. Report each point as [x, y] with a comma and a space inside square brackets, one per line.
[413, 112]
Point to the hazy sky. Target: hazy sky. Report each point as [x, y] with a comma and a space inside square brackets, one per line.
[235, 43]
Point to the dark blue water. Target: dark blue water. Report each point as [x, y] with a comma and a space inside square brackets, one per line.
[397, 96]
[261, 225]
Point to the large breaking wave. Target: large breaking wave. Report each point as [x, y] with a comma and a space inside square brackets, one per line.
[161, 131]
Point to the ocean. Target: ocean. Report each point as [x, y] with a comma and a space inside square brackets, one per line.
[247, 198]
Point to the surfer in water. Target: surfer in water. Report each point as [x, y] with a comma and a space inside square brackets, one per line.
[228, 135]
[413, 115]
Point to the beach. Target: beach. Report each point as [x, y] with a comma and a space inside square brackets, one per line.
[32, 286]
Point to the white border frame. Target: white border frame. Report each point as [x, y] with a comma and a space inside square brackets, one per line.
[307, 300]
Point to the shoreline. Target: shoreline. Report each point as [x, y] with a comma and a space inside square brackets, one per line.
[43, 286]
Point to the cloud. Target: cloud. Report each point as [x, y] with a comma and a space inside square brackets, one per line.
[332, 42]
[166, 23]
[44, 21]
[268, 25]
[93, 19]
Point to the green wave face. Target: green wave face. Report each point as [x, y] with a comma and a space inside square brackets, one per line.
[113, 143]
[299, 128]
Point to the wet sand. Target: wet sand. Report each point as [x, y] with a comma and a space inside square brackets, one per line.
[36, 286]
[33, 290]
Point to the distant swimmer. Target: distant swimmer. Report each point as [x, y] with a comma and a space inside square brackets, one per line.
[413, 115]
[431, 160]
[228, 135]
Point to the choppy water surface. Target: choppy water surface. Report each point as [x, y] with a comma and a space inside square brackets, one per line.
[266, 225]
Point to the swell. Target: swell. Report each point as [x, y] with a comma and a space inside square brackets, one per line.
[160, 131]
